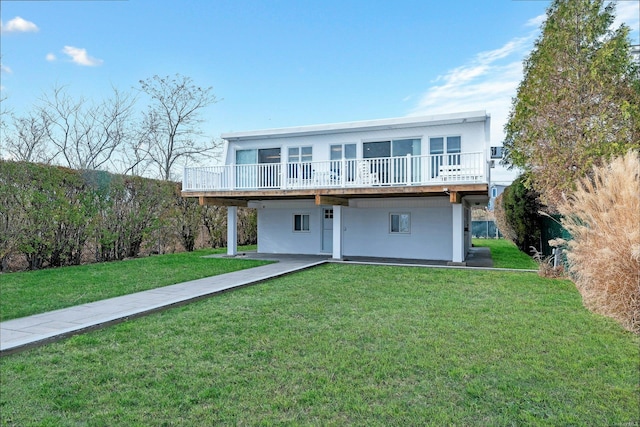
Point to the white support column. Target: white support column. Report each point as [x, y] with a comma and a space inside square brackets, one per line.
[232, 230]
[337, 232]
[457, 228]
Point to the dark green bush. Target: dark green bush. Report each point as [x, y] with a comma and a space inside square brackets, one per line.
[521, 207]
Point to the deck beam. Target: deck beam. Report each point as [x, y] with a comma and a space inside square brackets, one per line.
[219, 201]
[331, 200]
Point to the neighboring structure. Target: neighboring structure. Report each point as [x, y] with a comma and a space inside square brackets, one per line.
[399, 188]
[635, 52]
[496, 189]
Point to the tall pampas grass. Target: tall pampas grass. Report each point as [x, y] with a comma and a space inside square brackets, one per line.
[603, 217]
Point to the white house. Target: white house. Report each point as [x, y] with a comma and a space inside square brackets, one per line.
[399, 188]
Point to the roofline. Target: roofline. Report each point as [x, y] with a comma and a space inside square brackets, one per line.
[395, 123]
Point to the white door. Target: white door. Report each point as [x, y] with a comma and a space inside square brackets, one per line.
[327, 230]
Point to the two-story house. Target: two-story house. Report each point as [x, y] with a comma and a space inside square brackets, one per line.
[398, 188]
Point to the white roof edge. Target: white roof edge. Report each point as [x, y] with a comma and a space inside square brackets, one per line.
[398, 122]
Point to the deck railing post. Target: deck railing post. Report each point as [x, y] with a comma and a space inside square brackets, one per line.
[184, 179]
[283, 174]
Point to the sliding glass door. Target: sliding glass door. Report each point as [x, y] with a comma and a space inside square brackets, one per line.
[395, 169]
[258, 168]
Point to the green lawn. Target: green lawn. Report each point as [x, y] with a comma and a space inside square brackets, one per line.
[506, 255]
[32, 292]
[342, 345]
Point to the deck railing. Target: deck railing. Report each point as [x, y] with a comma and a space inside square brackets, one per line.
[400, 171]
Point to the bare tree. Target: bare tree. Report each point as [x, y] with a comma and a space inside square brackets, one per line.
[134, 157]
[4, 113]
[171, 126]
[29, 140]
[86, 135]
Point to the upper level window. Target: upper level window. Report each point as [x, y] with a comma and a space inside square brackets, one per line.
[445, 145]
[299, 155]
[400, 223]
[444, 151]
[338, 154]
[392, 148]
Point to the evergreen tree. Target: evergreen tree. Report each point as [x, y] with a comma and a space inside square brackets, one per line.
[521, 207]
[579, 102]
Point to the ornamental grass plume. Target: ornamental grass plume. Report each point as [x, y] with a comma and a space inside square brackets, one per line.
[603, 218]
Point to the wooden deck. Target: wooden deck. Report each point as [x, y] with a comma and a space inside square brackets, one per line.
[338, 196]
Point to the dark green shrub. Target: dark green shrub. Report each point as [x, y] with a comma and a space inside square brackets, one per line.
[521, 207]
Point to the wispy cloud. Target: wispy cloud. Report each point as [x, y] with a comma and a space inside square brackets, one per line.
[487, 82]
[490, 80]
[80, 56]
[628, 12]
[5, 69]
[50, 57]
[18, 25]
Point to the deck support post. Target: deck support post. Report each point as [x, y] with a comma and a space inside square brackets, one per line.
[457, 227]
[337, 232]
[232, 230]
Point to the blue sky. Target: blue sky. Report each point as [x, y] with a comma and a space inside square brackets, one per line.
[282, 63]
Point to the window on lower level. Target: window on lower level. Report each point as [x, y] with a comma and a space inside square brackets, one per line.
[300, 222]
[400, 223]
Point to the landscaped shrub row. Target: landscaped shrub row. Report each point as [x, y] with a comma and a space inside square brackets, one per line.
[53, 216]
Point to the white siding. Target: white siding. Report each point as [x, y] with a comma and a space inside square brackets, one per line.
[367, 233]
[472, 139]
[365, 228]
[275, 228]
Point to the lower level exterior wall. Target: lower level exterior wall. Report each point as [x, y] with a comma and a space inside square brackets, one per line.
[365, 228]
[367, 233]
[276, 234]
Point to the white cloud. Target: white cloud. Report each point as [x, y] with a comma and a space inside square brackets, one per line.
[537, 21]
[19, 25]
[5, 69]
[80, 56]
[490, 80]
[50, 57]
[628, 12]
[487, 82]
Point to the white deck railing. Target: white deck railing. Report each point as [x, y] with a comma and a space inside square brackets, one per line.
[408, 170]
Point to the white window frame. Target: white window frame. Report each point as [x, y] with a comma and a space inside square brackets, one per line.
[295, 155]
[400, 230]
[302, 223]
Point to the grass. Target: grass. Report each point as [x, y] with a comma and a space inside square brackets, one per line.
[32, 292]
[341, 345]
[505, 254]
[27, 293]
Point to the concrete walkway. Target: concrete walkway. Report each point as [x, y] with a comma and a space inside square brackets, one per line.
[31, 331]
